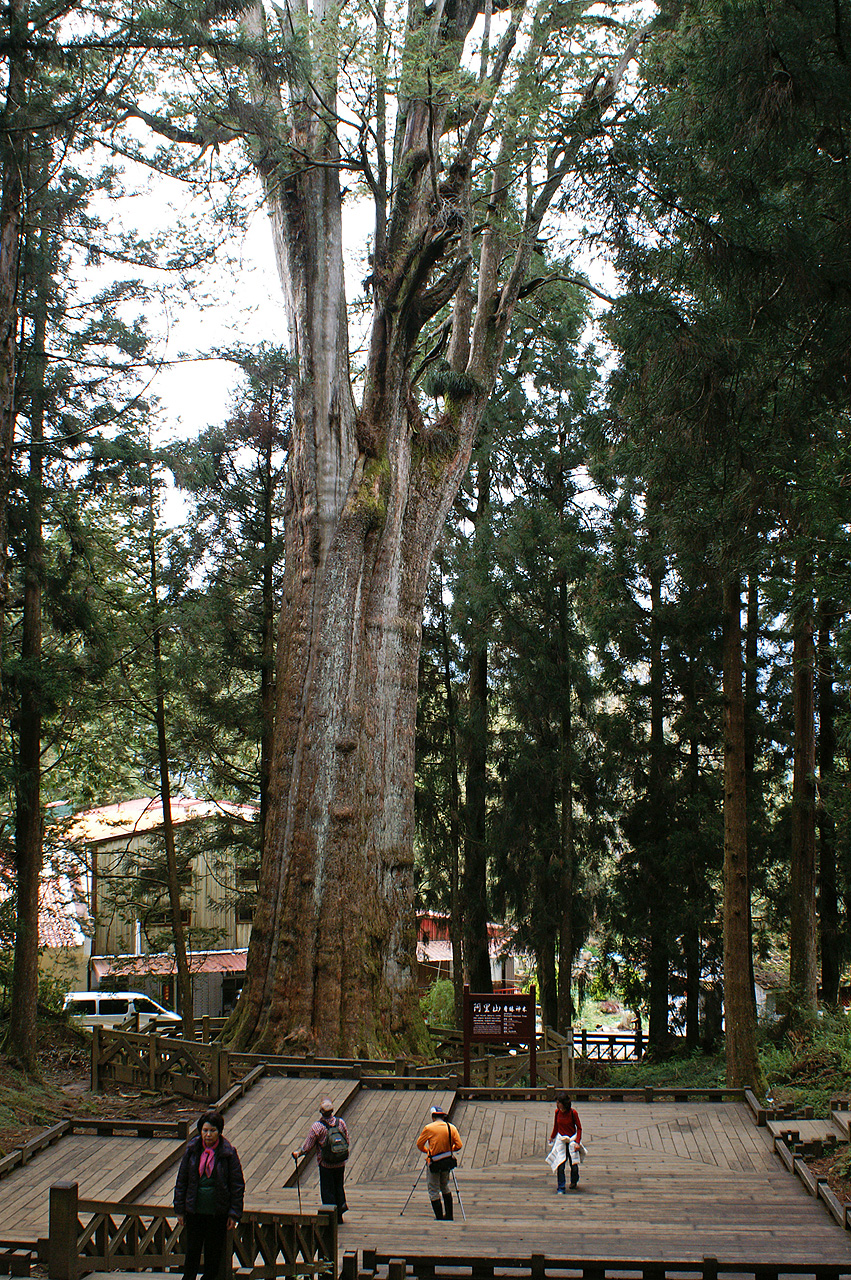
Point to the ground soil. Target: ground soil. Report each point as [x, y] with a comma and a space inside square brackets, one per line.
[826, 1167]
[28, 1106]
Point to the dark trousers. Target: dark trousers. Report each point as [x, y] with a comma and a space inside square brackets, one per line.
[574, 1172]
[331, 1189]
[205, 1232]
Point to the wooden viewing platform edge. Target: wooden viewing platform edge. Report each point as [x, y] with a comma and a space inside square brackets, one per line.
[539, 1266]
[18, 1254]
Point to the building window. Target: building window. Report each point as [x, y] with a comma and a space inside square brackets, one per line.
[245, 913]
[162, 919]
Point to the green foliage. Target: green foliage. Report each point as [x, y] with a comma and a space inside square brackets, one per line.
[809, 1064]
[692, 1070]
[438, 1004]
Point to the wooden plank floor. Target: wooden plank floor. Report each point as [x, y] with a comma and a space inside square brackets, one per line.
[104, 1168]
[266, 1126]
[809, 1130]
[663, 1180]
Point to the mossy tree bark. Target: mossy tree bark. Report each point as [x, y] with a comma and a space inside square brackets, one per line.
[331, 956]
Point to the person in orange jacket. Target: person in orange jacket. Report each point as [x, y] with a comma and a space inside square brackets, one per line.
[440, 1140]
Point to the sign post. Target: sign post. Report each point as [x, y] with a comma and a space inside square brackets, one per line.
[501, 1018]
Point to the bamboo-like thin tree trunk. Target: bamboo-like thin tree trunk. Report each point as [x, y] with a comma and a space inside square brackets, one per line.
[659, 963]
[13, 159]
[456, 932]
[828, 897]
[475, 879]
[21, 1042]
[184, 979]
[803, 966]
[267, 633]
[743, 1067]
[692, 940]
[567, 853]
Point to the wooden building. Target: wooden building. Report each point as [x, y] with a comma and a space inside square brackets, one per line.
[121, 853]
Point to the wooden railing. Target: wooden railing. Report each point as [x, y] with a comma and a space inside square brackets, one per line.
[206, 1072]
[160, 1063]
[610, 1046]
[95, 1235]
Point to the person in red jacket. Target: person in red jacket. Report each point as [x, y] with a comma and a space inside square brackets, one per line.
[567, 1129]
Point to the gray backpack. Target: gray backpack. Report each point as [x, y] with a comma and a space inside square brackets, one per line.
[335, 1148]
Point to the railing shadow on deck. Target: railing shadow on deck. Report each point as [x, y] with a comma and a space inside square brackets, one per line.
[539, 1266]
[86, 1236]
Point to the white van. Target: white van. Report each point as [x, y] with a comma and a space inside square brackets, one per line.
[111, 1008]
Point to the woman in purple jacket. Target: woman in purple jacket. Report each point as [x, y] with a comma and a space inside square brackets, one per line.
[208, 1196]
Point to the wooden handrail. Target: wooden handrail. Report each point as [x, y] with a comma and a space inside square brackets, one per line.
[136, 1237]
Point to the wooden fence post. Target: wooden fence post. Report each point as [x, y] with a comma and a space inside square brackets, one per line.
[224, 1072]
[566, 1071]
[62, 1232]
[96, 1052]
[226, 1264]
[153, 1054]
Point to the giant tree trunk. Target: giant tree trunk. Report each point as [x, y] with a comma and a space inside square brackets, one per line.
[803, 969]
[743, 1067]
[332, 947]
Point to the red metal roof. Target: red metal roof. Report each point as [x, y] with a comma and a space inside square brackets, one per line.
[165, 964]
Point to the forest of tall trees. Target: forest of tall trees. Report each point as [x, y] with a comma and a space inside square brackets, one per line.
[511, 583]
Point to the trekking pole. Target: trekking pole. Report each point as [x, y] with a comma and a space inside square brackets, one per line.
[458, 1194]
[411, 1192]
[297, 1184]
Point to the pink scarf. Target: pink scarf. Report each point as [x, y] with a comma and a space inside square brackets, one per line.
[205, 1164]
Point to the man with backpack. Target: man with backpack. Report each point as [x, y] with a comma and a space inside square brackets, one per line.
[330, 1137]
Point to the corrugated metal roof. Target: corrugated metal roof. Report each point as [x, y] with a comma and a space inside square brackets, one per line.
[130, 817]
[61, 911]
[163, 963]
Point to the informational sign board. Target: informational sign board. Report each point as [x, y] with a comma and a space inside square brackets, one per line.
[506, 1017]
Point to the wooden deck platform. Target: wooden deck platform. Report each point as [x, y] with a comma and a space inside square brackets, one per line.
[663, 1179]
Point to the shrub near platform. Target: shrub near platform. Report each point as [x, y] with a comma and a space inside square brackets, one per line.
[809, 1065]
[693, 1071]
[803, 1067]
